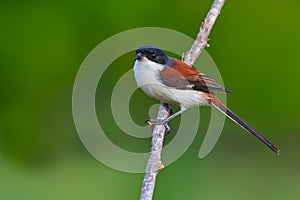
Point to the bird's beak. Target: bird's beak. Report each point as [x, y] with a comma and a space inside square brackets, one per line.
[138, 56]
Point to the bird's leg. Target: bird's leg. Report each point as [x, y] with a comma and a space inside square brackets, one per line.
[166, 120]
[182, 109]
[168, 108]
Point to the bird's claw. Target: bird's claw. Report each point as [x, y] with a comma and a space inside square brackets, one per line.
[152, 122]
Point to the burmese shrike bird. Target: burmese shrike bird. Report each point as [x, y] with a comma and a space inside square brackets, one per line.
[174, 82]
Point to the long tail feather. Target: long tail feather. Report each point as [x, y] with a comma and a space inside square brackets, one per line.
[220, 106]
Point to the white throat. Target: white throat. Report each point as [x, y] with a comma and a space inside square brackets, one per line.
[147, 72]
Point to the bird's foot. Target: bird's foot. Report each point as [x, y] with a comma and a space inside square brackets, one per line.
[164, 122]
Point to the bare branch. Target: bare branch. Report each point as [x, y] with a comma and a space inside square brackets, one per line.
[154, 162]
[200, 43]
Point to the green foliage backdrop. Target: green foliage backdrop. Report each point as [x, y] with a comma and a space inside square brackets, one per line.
[255, 45]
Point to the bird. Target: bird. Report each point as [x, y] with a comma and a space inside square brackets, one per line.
[172, 81]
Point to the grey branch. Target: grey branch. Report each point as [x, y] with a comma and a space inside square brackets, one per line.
[200, 43]
[155, 164]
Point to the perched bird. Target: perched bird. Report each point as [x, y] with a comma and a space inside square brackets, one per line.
[174, 82]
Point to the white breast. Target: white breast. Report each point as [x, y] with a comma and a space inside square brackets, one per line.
[148, 79]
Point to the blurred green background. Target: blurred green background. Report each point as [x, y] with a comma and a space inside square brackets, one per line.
[255, 45]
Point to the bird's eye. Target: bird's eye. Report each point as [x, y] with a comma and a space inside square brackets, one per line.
[153, 55]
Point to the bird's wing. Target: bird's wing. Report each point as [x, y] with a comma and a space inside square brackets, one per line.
[183, 76]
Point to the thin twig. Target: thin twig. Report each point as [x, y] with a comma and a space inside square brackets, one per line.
[154, 162]
[200, 43]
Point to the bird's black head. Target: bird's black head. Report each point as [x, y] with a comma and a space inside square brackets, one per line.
[152, 53]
